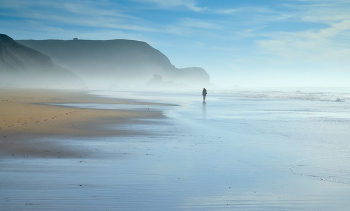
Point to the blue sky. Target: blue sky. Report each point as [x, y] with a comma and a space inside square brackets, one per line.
[238, 42]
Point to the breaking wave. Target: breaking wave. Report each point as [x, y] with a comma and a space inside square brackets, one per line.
[312, 94]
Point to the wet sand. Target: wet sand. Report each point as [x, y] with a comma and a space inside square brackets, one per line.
[230, 153]
[27, 115]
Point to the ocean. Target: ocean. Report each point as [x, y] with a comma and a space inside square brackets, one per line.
[242, 149]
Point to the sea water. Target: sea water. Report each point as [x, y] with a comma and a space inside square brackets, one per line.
[271, 149]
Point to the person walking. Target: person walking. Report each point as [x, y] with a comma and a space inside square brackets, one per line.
[204, 93]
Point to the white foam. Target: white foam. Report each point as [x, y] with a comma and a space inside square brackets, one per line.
[312, 94]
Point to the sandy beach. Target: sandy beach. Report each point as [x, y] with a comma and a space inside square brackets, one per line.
[127, 150]
[28, 114]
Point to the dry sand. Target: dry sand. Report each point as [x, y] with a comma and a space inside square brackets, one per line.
[25, 117]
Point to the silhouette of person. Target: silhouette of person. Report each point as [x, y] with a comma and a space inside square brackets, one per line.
[204, 93]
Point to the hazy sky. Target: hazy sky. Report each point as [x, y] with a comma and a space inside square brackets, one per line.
[238, 42]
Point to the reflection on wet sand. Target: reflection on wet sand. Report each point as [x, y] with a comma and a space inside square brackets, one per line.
[241, 157]
[204, 109]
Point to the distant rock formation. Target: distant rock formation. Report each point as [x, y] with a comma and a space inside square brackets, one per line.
[23, 66]
[157, 82]
[124, 62]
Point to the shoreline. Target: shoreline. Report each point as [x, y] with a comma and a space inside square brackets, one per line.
[27, 117]
[230, 153]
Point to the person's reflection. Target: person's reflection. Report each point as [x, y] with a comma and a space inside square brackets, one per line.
[204, 109]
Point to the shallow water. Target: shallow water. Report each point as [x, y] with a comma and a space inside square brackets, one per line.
[234, 152]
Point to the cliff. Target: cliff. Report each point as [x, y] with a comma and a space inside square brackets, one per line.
[121, 62]
[23, 66]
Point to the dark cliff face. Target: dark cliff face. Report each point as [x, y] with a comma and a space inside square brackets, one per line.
[23, 66]
[106, 62]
